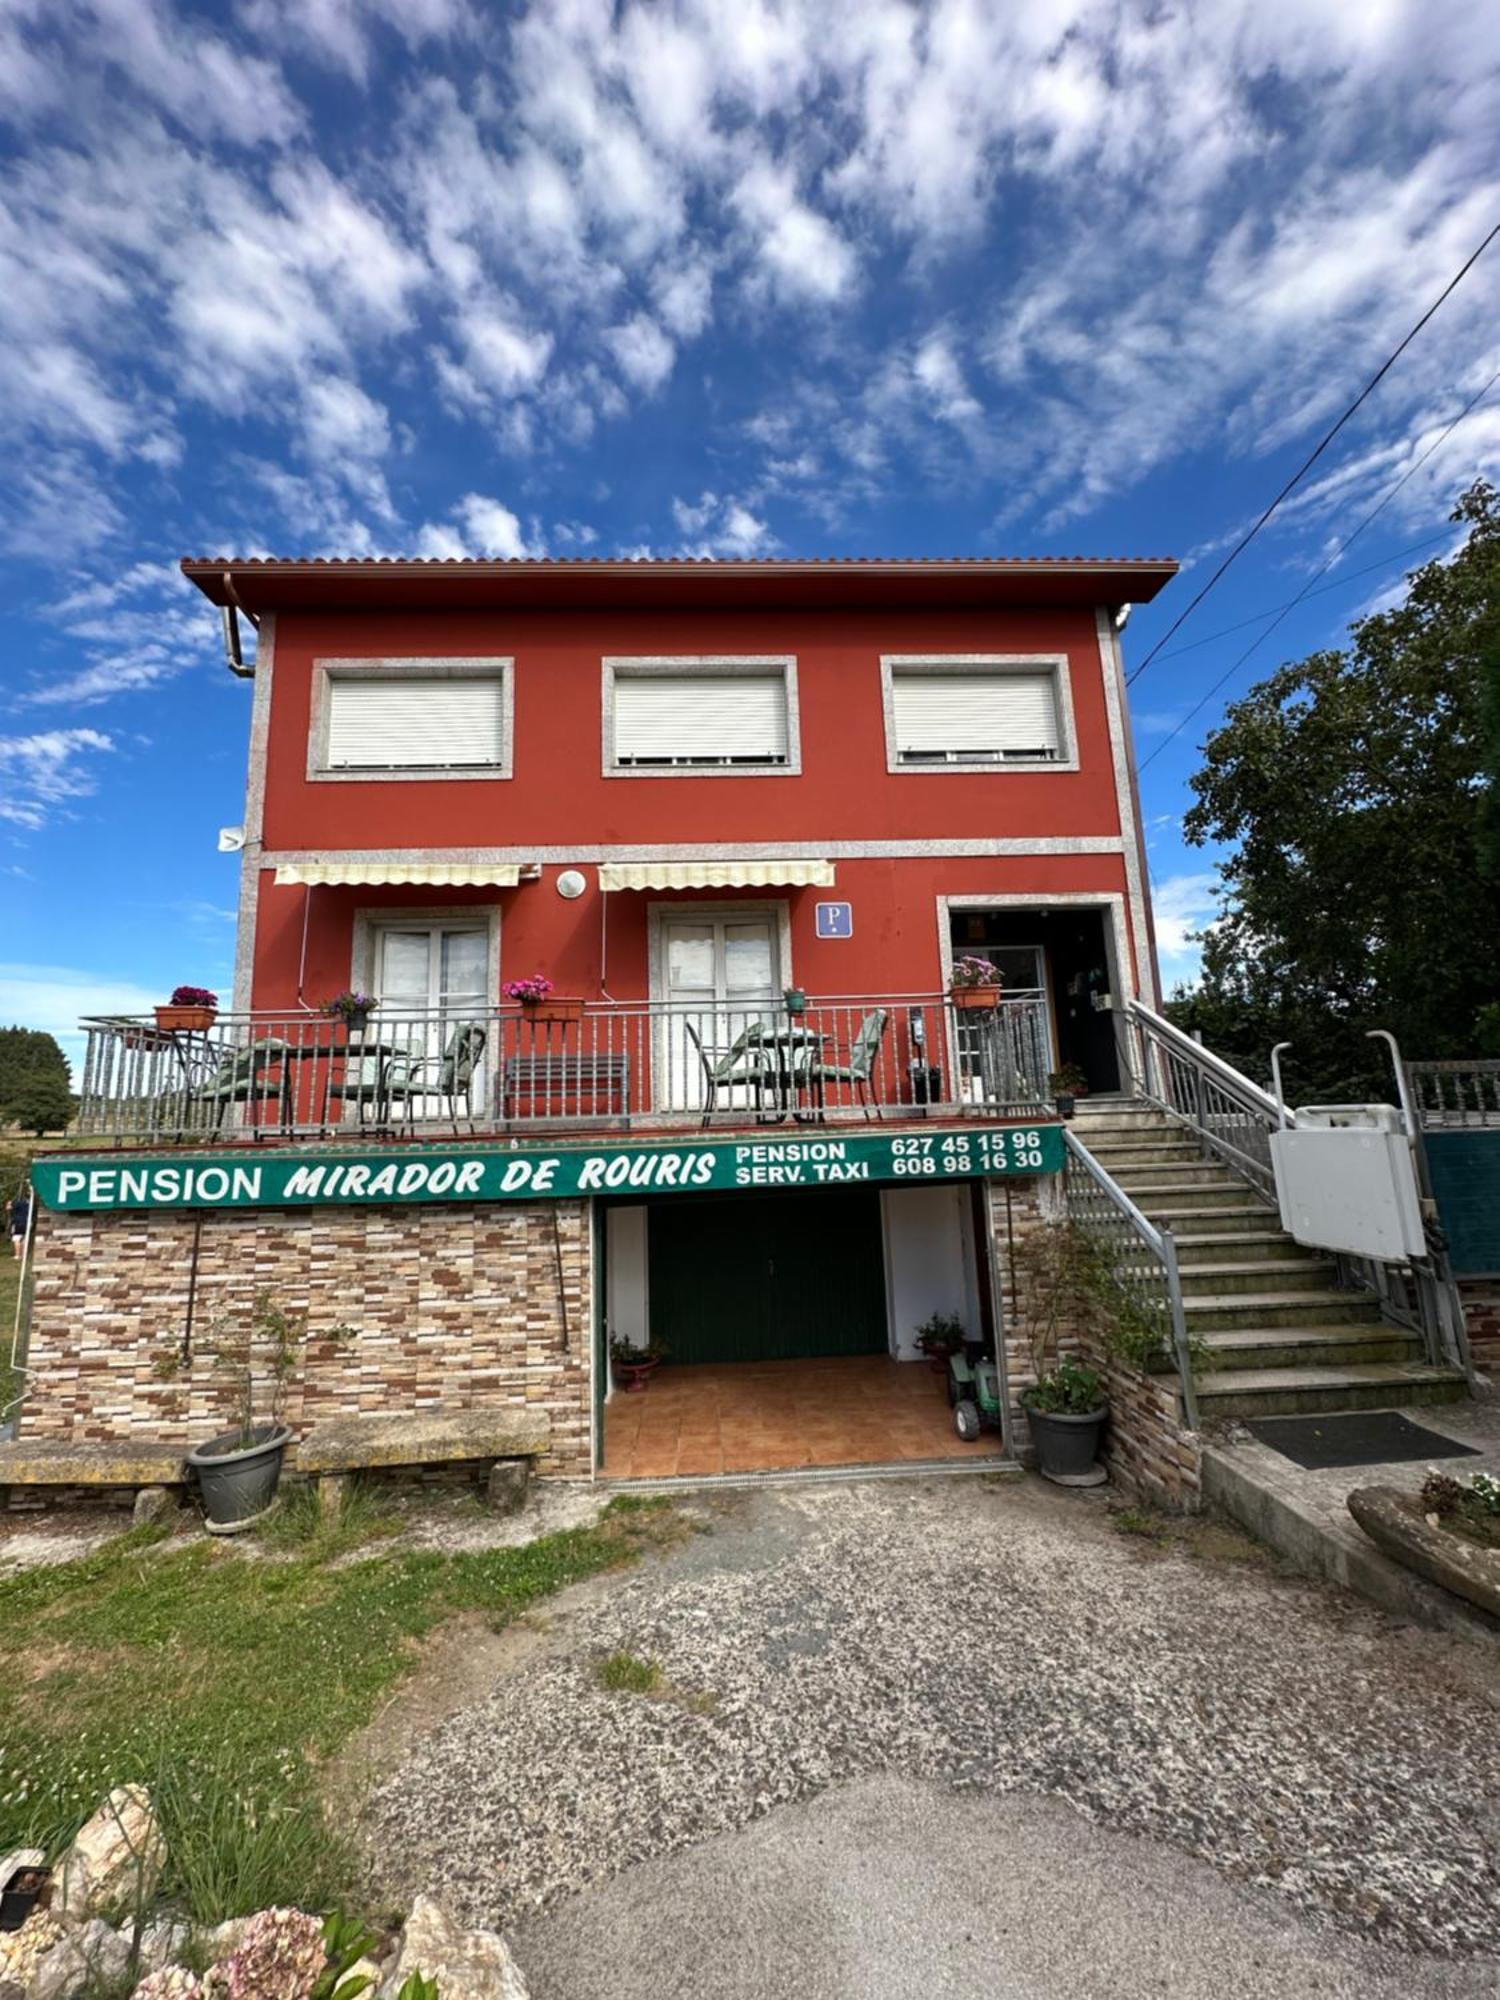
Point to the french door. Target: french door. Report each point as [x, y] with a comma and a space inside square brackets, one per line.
[721, 973]
[432, 980]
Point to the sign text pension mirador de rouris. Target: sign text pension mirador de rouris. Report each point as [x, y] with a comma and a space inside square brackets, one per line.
[529, 1173]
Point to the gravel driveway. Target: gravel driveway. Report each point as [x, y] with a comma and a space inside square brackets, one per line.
[986, 1638]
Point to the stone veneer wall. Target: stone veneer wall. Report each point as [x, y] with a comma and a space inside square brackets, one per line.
[452, 1308]
[1481, 1303]
[1146, 1446]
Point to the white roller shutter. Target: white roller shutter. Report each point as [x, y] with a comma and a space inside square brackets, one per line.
[989, 717]
[427, 722]
[700, 719]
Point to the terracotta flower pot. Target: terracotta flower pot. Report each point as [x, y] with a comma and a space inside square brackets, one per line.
[185, 1019]
[558, 1008]
[632, 1376]
[973, 999]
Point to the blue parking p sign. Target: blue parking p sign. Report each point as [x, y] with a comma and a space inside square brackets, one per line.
[835, 920]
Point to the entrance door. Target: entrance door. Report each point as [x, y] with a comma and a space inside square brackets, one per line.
[722, 973]
[774, 1277]
[430, 980]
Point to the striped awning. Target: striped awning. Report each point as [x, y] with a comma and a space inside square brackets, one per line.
[378, 874]
[732, 874]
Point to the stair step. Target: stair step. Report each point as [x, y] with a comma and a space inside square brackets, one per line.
[1208, 1246]
[1187, 1173]
[1259, 1274]
[1227, 1197]
[1302, 1347]
[1113, 1158]
[1377, 1385]
[1216, 1311]
[1232, 1224]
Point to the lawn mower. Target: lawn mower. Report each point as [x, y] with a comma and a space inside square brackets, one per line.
[973, 1391]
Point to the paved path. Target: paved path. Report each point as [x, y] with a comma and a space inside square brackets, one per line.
[1002, 1643]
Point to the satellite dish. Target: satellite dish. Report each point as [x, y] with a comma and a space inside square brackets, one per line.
[231, 839]
[571, 883]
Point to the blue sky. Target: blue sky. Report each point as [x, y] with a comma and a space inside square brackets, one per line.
[719, 276]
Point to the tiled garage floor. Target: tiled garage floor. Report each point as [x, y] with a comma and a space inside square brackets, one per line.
[769, 1416]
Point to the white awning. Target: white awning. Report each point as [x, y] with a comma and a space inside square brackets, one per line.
[429, 874]
[732, 874]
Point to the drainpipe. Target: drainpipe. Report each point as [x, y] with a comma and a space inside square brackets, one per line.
[234, 658]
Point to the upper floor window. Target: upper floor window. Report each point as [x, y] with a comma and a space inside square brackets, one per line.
[700, 717]
[411, 718]
[977, 712]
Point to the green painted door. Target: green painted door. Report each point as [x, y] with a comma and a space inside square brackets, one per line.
[768, 1277]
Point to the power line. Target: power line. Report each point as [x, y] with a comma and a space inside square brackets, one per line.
[1349, 576]
[1385, 500]
[1308, 463]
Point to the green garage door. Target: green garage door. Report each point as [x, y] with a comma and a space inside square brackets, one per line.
[773, 1277]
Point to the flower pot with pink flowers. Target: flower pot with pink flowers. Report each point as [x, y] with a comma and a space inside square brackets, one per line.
[539, 1000]
[191, 1010]
[974, 984]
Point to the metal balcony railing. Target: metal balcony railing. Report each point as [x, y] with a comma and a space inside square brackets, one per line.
[559, 1067]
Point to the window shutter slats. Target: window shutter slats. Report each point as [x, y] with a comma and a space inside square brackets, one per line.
[980, 715]
[700, 718]
[425, 723]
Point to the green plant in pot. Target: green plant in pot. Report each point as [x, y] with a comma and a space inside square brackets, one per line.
[634, 1366]
[939, 1337]
[1067, 1084]
[254, 1359]
[1066, 1410]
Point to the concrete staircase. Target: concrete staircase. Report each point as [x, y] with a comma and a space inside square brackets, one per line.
[1281, 1336]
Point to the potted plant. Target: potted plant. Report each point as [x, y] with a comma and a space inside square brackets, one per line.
[939, 1338]
[238, 1470]
[1067, 1084]
[539, 1000]
[353, 1009]
[1052, 1284]
[634, 1366]
[191, 1009]
[19, 1894]
[974, 983]
[794, 1000]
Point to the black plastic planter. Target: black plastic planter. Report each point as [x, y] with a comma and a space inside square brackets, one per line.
[1066, 1103]
[19, 1897]
[237, 1481]
[1068, 1446]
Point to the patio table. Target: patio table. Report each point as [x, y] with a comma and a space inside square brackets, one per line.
[793, 1051]
[354, 1049]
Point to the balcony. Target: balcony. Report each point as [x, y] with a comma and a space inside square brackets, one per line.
[509, 1071]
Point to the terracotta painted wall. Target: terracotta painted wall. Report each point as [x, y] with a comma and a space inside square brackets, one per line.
[558, 796]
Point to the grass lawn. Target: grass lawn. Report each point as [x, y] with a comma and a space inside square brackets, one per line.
[10, 1276]
[224, 1682]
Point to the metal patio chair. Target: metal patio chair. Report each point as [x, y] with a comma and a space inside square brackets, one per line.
[450, 1075]
[741, 1062]
[238, 1078]
[859, 1071]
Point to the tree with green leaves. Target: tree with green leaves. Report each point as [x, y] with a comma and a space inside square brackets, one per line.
[31, 1059]
[1358, 793]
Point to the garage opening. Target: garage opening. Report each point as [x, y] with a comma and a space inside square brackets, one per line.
[789, 1323]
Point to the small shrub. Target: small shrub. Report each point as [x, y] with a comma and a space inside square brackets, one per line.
[624, 1673]
[1441, 1494]
[280, 1957]
[1139, 1521]
[320, 1533]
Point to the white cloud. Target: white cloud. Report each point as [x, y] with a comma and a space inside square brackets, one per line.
[481, 527]
[642, 352]
[54, 998]
[1182, 904]
[802, 256]
[45, 774]
[721, 526]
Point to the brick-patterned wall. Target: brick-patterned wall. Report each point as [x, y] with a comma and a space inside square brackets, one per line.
[1145, 1444]
[451, 1308]
[1481, 1301]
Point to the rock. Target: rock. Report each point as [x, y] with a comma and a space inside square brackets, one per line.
[170, 1982]
[116, 1859]
[1394, 1521]
[507, 1485]
[225, 1939]
[10, 1991]
[467, 1965]
[90, 1958]
[152, 1503]
[160, 1943]
[366, 1968]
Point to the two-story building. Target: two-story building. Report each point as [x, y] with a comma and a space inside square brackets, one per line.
[740, 821]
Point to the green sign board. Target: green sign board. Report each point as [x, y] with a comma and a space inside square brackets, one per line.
[531, 1173]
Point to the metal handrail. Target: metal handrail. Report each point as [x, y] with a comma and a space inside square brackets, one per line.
[1231, 1117]
[1122, 1228]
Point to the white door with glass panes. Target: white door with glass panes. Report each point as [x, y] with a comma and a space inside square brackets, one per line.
[432, 982]
[722, 974]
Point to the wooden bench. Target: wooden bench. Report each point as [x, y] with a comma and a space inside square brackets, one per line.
[139, 1466]
[599, 1082]
[508, 1439]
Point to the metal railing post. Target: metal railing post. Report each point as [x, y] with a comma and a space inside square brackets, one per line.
[1179, 1329]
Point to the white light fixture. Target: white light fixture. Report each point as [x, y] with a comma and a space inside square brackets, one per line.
[571, 883]
[231, 839]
